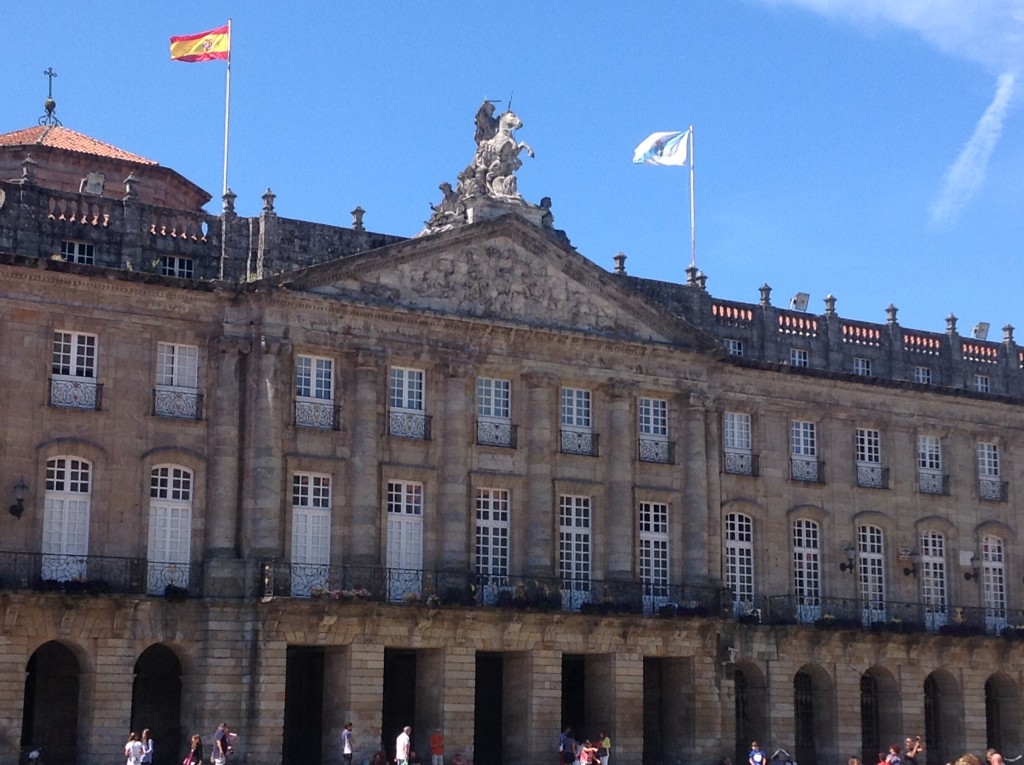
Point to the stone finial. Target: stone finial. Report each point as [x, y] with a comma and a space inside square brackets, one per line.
[890, 313]
[620, 262]
[357, 218]
[229, 202]
[1008, 334]
[766, 294]
[547, 218]
[691, 275]
[702, 280]
[951, 324]
[28, 169]
[830, 304]
[268, 200]
[130, 187]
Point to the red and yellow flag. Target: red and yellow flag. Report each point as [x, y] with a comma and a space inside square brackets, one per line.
[205, 46]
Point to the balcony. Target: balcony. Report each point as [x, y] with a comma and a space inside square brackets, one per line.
[656, 450]
[992, 489]
[872, 476]
[75, 392]
[181, 403]
[97, 575]
[496, 432]
[931, 482]
[317, 413]
[409, 425]
[581, 442]
[740, 463]
[806, 469]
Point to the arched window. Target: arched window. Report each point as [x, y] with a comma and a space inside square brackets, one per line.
[871, 572]
[170, 528]
[807, 569]
[66, 508]
[739, 560]
[311, 532]
[932, 575]
[993, 582]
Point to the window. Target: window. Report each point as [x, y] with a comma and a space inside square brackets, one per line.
[653, 554]
[871, 573]
[176, 265]
[803, 444]
[77, 252]
[993, 582]
[311, 532]
[494, 412]
[652, 425]
[807, 569]
[739, 561]
[930, 479]
[861, 366]
[982, 384]
[989, 485]
[169, 554]
[177, 377]
[574, 550]
[405, 539]
[923, 375]
[74, 371]
[576, 434]
[798, 357]
[314, 392]
[932, 575]
[870, 472]
[492, 536]
[66, 508]
[735, 347]
[406, 398]
[736, 440]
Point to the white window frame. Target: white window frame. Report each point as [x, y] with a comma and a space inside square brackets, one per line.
[803, 439]
[652, 418]
[169, 551]
[177, 366]
[493, 533]
[577, 409]
[993, 581]
[737, 433]
[311, 532]
[178, 266]
[407, 389]
[733, 346]
[988, 459]
[405, 506]
[74, 355]
[494, 398]
[923, 375]
[739, 561]
[871, 573]
[982, 384]
[77, 251]
[314, 378]
[929, 454]
[574, 549]
[806, 537]
[653, 554]
[933, 579]
[67, 505]
[862, 366]
[799, 357]
[869, 446]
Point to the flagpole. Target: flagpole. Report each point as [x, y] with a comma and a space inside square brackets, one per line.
[227, 112]
[693, 229]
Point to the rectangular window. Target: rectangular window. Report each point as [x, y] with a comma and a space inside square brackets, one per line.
[176, 265]
[406, 389]
[988, 460]
[982, 384]
[932, 575]
[405, 539]
[736, 431]
[66, 511]
[993, 582]
[492, 539]
[869, 446]
[871, 573]
[862, 366]
[739, 560]
[653, 417]
[803, 439]
[177, 365]
[574, 550]
[735, 347]
[923, 375]
[311, 532]
[74, 354]
[77, 252]
[314, 377]
[576, 408]
[493, 398]
[807, 569]
[653, 554]
[929, 453]
[798, 357]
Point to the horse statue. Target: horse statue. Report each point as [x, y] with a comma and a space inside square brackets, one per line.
[497, 158]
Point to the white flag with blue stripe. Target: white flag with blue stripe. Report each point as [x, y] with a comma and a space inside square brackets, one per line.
[663, 148]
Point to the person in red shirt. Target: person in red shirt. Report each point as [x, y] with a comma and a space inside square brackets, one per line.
[437, 747]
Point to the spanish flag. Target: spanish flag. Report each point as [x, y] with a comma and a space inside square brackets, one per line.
[205, 46]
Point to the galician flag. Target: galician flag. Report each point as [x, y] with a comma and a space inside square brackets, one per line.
[663, 148]
[205, 46]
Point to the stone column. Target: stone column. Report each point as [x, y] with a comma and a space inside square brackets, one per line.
[619, 452]
[699, 441]
[364, 530]
[264, 466]
[541, 440]
[453, 498]
[533, 704]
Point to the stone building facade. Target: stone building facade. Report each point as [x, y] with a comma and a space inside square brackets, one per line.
[287, 475]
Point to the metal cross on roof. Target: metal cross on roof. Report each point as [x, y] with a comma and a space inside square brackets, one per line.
[50, 104]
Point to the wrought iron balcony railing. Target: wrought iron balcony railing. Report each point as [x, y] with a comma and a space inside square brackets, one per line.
[931, 482]
[656, 450]
[992, 489]
[494, 432]
[872, 476]
[313, 413]
[740, 462]
[179, 403]
[76, 393]
[807, 469]
[581, 442]
[409, 425]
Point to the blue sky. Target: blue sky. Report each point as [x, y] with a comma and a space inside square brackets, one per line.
[872, 149]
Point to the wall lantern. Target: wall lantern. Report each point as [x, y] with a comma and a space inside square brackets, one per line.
[975, 571]
[915, 558]
[20, 493]
[851, 559]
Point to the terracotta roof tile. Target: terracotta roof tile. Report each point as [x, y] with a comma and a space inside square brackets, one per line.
[69, 140]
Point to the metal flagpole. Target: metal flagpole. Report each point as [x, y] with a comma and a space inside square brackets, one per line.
[227, 112]
[693, 230]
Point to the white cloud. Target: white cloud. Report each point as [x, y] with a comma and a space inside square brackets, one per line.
[965, 176]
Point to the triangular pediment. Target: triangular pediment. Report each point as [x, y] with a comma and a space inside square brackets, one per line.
[504, 270]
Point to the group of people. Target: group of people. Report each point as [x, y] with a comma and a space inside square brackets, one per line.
[139, 749]
[587, 752]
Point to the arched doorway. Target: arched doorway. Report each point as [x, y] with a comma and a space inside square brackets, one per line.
[813, 715]
[751, 708]
[156, 703]
[1002, 713]
[943, 718]
[51, 703]
[879, 712]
